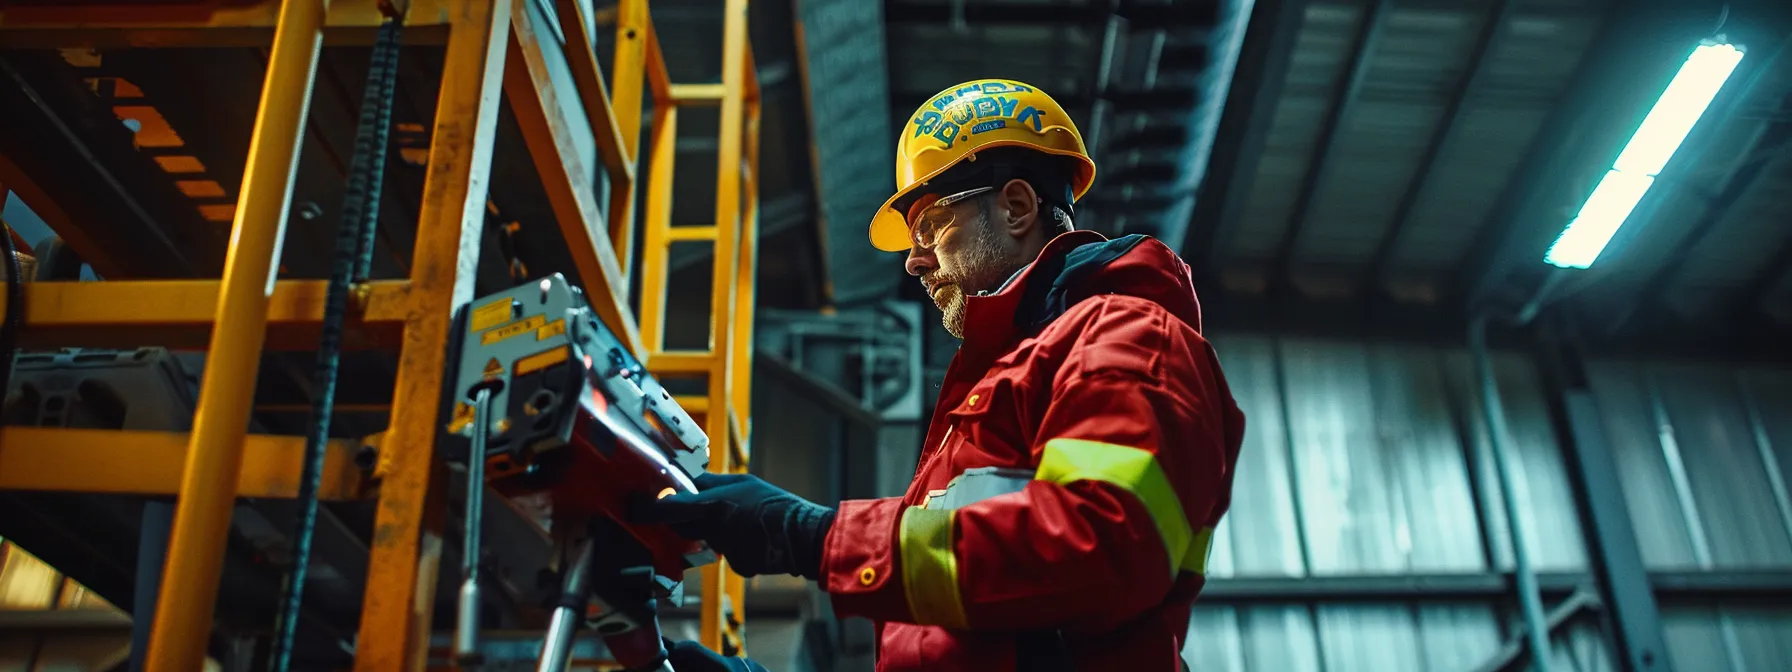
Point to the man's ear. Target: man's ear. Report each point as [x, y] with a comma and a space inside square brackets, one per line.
[1022, 206]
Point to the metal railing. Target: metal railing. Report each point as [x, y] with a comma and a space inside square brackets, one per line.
[494, 48]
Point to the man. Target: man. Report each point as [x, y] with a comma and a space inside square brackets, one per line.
[1083, 445]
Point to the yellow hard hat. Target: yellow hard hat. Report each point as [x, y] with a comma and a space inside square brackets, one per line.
[956, 124]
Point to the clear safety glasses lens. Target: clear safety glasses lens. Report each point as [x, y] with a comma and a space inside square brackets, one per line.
[936, 218]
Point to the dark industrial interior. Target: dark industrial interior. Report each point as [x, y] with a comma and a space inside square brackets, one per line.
[1371, 196]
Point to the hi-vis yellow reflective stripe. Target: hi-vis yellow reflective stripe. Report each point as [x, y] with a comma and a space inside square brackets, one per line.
[930, 567]
[1135, 471]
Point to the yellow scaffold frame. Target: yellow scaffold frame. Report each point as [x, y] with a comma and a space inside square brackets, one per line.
[490, 43]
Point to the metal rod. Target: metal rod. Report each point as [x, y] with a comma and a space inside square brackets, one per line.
[1320, 167]
[466, 643]
[1498, 438]
[1102, 107]
[1689, 508]
[1670, 455]
[354, 256]
[208, 484]
[405, 556]
[723, 294]
[556, 648]
[1776, 480]
[1492, 32]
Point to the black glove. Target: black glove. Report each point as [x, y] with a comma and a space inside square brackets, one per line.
[690, 656]
[760, 528]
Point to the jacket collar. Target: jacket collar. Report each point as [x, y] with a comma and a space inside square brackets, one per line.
[989, 319]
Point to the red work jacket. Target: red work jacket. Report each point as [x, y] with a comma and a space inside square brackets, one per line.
[1079, 457]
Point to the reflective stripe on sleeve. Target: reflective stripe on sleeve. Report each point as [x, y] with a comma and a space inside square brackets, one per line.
[977, 484]
[1135, 471]
[930, 567]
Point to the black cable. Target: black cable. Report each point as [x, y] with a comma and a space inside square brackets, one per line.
[354, 252]
[15, 308]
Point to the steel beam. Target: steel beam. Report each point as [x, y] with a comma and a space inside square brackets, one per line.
[407, 545]
[1159, 15]
[1244, 128]
[1624, 585]
[1368, 36]
[1688, 586]
[208, 482]
[114, 25]
[179, 314]
[618, 155]
[1511, 654]
[568, 182]
[1491, 34]
[49, 459]
[66, 156]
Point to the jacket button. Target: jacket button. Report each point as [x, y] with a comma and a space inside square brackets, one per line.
[867, 575]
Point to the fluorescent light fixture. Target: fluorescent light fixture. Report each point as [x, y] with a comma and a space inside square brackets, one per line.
[1655, 141]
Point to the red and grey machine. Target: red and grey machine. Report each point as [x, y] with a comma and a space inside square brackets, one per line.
[547, 400]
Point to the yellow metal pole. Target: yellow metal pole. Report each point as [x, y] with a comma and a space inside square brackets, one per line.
[716, 578]
[618, 157]
[740, 380]
[407, 540]
[657, 231]
[208, 485]
[746, 277]
[629, 72]
[548, 135]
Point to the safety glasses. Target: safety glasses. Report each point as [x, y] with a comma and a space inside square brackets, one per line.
[926, 228]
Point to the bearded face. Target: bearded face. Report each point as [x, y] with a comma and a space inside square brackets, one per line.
[973, 256]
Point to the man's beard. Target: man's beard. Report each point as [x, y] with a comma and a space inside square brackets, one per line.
[983, 264]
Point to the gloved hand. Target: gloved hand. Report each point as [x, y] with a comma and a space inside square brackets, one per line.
[760, 528]
[692, 657]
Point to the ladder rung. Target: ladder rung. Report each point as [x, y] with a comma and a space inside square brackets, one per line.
[150, 463]
[179, 313]
[680, 361]
[681, 233]
[695, 405]
[698, 93]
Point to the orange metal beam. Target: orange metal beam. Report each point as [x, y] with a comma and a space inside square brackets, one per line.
[569, 188]
[149, 463]
[717, 579]
[103, 25]
[208, 485]
[698, 94]
[619, 160]
[744, 279]
[657, 231]
[179, 314]
[407, 540]
[658, 78]
[628, 71]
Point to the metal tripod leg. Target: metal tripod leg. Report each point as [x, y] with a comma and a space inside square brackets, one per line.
[556, 648]
[466, 639]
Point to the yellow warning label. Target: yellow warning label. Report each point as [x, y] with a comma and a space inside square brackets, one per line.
[512, 329]
[540, 360]
[555, 328]
[493, 369]
[463, 416]
[490, 315]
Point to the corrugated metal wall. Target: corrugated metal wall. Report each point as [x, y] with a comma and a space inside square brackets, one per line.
[1362, 460]
[1701, 452]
